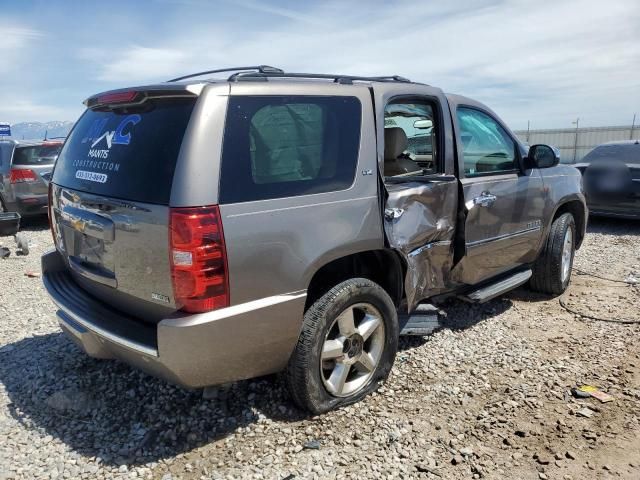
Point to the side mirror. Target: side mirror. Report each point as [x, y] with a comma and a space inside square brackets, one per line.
[422, 124]
[543, 156]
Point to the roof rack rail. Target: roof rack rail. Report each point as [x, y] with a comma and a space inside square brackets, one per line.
[261, 69]
[344, 79]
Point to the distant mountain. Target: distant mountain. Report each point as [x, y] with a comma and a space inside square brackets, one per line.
[37, 130]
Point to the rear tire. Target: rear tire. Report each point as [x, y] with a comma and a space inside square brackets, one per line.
[552, 269]
[346, 348]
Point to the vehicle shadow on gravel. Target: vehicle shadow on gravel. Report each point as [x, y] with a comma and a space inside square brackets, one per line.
[597, 225]
[524, 294]
[459, 315]
[34, 224]
[107, 410]
[613, 226]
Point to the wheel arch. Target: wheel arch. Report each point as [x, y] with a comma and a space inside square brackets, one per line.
[578, 210]
[384, 267]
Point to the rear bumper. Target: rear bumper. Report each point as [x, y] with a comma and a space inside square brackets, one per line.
[243, 341]
[27, 205]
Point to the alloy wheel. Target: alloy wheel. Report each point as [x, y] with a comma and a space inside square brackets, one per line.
[352, 349]
[567, 252]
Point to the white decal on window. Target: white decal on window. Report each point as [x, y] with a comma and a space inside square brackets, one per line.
[91, 176]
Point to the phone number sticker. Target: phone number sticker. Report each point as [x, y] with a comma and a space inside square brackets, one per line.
[91, 176]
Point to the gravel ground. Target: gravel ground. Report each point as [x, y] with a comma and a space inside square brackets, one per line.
[485, 397]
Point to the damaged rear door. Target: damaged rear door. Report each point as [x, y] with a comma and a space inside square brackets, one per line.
[416, 161]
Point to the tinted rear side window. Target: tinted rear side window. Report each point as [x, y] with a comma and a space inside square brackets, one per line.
[36, 154]
[278, 147]
[129, 154]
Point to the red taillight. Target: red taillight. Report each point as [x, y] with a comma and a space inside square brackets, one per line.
[198, 259]
[19, 175]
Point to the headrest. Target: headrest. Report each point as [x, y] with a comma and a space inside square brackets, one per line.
[395, 142]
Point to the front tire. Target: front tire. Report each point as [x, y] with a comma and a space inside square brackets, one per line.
[552, 269]
[346, 348]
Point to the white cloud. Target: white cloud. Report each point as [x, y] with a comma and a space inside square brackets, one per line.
[264, 7]
[255, 6]
[137, 63]
[547, 61]
[14, 37]
[17, 47]
[16, 41]
[21, 108]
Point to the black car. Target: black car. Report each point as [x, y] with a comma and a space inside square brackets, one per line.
[611, 173]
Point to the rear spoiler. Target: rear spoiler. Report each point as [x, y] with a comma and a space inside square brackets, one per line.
[138, 95]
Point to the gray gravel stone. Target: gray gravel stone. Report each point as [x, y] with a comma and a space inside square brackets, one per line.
[466, 391]
[466, 451]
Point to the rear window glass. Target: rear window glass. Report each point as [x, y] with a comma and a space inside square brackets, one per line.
[36, 154]
[278, 147]
[625, 152]
[129, 154]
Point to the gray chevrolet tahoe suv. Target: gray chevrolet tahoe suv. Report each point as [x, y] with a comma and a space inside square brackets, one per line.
[217, 230]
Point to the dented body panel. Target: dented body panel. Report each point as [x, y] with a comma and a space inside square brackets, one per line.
[420, 223]
[457, 234]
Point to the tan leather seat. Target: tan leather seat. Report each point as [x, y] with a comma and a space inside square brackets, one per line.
[395, 143]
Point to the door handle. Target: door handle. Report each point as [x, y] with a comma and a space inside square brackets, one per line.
[485, 199]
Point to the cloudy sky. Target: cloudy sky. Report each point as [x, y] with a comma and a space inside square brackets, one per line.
[547, 61]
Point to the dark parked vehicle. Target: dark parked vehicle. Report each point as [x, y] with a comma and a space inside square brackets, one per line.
[25, 171]
[611, 174]
[208, 231]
